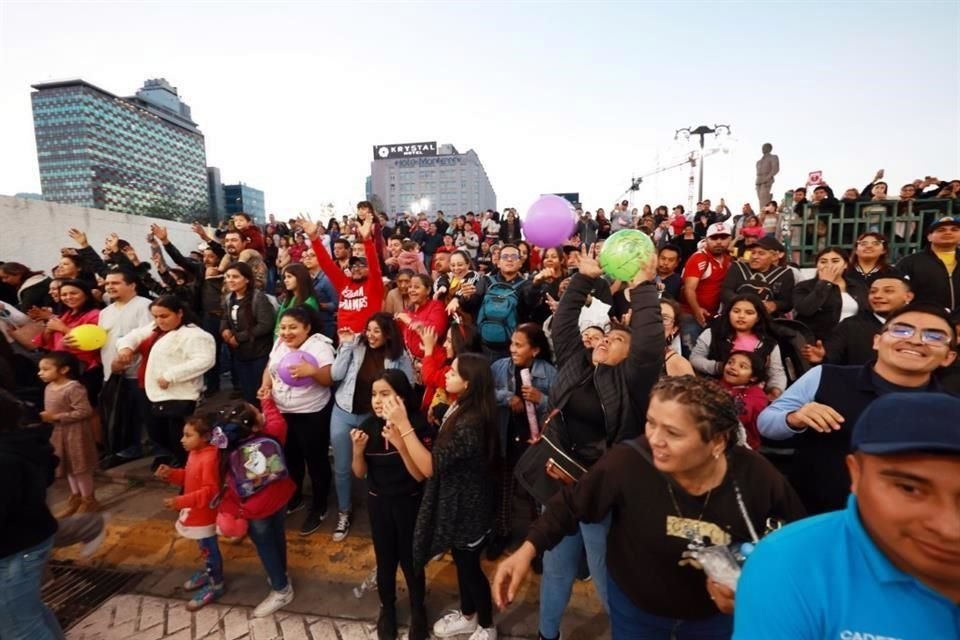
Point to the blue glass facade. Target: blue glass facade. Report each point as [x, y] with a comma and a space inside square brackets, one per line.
[123, 154]
[239, 198]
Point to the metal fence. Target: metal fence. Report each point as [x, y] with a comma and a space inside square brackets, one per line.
[903, 223]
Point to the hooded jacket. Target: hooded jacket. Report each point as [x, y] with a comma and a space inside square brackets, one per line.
[27, 465]
[623, 388]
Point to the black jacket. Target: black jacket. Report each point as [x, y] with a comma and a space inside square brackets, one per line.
[930, 280]
[851, 342]
[776, 285]
[256, 337]
[625, 388]
[817, 303]
[27, 464]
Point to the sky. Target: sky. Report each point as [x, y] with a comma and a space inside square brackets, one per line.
[553, 97]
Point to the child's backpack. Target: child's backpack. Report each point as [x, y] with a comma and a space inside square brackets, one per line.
[497, 319]
[255, 464]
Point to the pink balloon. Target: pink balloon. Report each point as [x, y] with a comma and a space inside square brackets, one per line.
[549, 222]
[292, 359]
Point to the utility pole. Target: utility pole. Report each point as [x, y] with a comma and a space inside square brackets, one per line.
[702, 131]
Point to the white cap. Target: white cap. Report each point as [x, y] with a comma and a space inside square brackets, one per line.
[718, 229]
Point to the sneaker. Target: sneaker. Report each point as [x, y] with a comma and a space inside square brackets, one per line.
[209, 593]
[295, 504]
[454, 624]
[387, 623]
[484, 633]
[274, 602]
[312, 522]
[343, 527]
[197, 580]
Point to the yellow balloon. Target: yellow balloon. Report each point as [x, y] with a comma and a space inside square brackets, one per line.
[88, 337]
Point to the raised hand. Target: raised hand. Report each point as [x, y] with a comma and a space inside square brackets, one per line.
[428, 337]
[588, 266]
[79, 237]
[366, 228]
[198, 229]
[360, 440]
[346, 335]
[160, 233]
[309, 226]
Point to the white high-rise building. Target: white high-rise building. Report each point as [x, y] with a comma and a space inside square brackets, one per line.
[425, 177]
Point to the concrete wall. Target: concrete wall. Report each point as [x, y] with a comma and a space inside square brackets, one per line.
[34, 231]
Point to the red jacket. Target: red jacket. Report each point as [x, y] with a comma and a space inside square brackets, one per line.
[200, 480]
[271, 498]
[254, 238]
[432, 314]
[750, 401]
[358, 300]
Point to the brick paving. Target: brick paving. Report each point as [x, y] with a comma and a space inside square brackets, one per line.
[128, 617]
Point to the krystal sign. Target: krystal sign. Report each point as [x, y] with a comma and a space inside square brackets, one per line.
[391, 151]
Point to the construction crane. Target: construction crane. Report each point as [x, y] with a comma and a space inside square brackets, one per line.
[691, 160]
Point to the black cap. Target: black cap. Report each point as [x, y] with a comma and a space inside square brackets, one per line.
[354, 261]
[939, 222]
[770, 243]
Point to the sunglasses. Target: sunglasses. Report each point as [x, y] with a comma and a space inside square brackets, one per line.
[902, 331]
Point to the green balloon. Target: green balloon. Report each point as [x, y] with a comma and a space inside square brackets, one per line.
[624, 253]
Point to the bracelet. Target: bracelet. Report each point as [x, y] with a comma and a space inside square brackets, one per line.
[408, 432]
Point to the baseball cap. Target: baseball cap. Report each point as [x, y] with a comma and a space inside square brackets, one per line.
[939, 222]
[909, 423]
[770, 243]
[717, 229]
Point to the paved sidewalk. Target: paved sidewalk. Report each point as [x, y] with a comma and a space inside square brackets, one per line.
[125, 617]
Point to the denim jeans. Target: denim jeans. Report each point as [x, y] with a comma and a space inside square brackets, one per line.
[23, 616]
[341, 423]
[212, 560]
[630, 622]
[560, 566]
[690, 330]
[249, 377]
[270, 539]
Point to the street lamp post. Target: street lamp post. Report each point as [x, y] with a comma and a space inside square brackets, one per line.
[702, 131]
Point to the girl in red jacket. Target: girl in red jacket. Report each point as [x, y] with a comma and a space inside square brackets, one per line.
[257, 488]
[744, 374]
[200, 480]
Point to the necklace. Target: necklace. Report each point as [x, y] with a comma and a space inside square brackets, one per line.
[676, 505]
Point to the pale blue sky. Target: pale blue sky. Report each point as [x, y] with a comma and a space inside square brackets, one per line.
[552, 96]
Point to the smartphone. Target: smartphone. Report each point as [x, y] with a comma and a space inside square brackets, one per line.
[561, 470]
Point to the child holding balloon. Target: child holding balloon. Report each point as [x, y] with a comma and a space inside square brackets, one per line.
[298, 379]
[66, 407]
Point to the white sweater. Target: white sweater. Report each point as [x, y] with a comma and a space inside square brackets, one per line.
[181, 357]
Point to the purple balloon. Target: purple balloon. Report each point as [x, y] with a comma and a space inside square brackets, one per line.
[290, 360]
[549, 222]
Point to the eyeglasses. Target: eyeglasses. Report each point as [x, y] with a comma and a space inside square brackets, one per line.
[869, 243]
[902, 331]
[509, 256]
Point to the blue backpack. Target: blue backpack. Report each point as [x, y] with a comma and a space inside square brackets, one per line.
[497, 319]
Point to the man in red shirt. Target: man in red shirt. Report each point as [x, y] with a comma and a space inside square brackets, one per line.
[703, 276]
[360, 293]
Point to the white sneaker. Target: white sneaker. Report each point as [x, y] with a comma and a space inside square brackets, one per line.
[482, 633]
[454, 624]
[343, 527]
[274, 602]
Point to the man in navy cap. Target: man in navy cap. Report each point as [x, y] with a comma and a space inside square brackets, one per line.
[933, 272]
[888, 566]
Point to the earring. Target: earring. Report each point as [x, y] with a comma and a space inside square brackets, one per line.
[716, 455]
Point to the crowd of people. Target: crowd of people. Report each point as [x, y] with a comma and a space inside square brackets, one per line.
[473, 381]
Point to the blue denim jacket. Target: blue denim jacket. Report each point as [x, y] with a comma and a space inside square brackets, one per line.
[504, 381]
[347, 365]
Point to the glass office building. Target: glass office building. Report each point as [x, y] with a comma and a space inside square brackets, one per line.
[141, 155]
[240, 198]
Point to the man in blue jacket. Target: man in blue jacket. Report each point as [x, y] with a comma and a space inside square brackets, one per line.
[888, 566]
